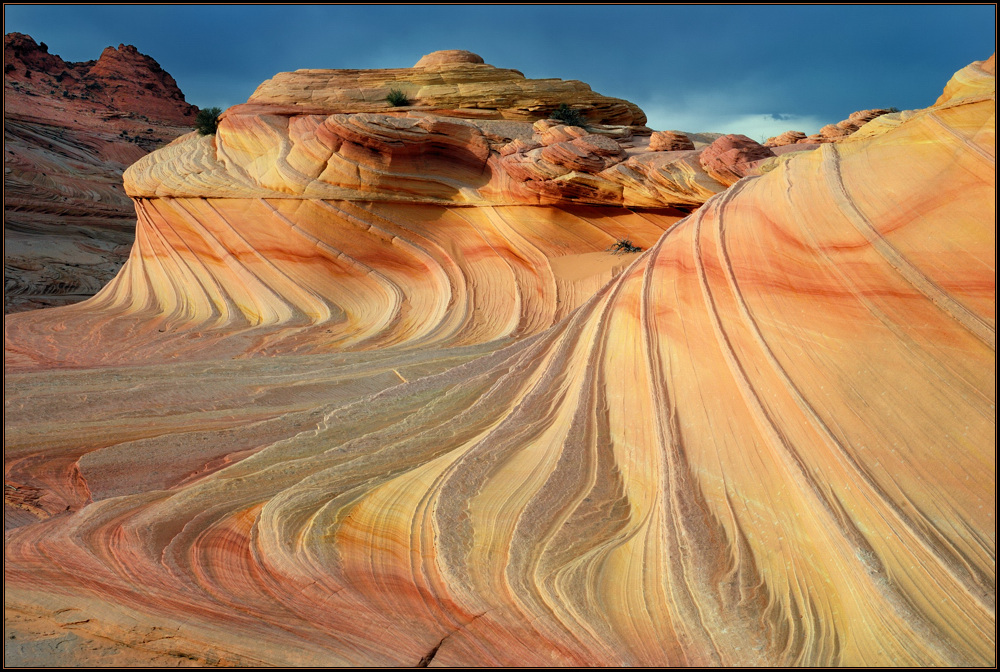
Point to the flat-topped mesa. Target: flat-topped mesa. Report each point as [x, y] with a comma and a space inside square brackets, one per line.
[452, 82]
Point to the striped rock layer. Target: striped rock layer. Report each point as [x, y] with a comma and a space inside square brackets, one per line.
[306, 429]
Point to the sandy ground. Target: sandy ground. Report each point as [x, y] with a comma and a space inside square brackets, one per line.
[37, 641]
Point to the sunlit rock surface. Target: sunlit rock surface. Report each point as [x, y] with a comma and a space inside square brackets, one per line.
[301, 429]
[213, 277]
[732, 157]
[669, 141]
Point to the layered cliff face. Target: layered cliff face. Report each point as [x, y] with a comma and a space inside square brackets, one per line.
[767, 440]
[70, 130]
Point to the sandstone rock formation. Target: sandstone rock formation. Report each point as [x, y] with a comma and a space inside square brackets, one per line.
[475, 137]
[977, 80]
[447, 83]
[732, 157]
[786, 138]
[304, 429]
[70, 130]
[448, 56]
[831, 132]
[669, 141]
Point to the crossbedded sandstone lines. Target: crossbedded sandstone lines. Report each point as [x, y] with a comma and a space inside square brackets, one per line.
[423, 159]
[768, 440]
[315, 275]
[331, 135]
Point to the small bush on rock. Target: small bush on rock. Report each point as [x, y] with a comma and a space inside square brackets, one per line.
[397, 98]
[207, 121]
[624, 246]
[567, 115]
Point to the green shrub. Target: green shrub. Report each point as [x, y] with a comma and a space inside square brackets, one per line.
[567, 115]
[207, 121]
[397, 98]
[624, 246]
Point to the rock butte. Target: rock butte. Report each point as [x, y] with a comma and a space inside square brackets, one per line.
[70, 130]
[440, 426]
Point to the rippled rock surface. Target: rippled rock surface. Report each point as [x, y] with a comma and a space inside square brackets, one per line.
[306, 429]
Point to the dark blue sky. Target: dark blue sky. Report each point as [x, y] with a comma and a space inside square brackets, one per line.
[706, 68]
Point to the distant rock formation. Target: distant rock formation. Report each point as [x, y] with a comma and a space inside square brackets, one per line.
[786, 138]
[830, 132]
[122, 83]
[70, 130]
[733, 157]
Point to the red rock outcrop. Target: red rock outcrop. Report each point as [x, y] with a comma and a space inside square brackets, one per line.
[669, 141]
[122, 84]
[732, 157]
[305, 431]
[786, 138]
[70, 130]
[842, 129]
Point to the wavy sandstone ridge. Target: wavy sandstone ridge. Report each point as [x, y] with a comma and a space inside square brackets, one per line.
[770, 440]
[226, 277]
